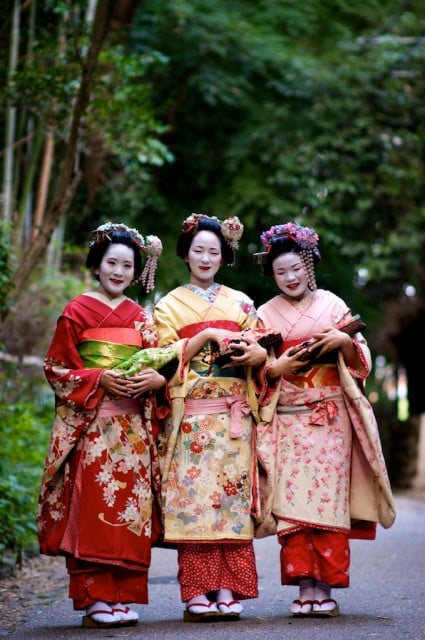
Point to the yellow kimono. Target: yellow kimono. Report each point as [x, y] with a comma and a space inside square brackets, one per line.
[208, 452]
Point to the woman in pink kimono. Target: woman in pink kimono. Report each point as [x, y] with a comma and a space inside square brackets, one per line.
[325, 476]
[208, 460]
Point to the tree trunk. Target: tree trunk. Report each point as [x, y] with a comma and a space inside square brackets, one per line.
[43, 187]
[68, 178]
[10, 120]
[22, 229]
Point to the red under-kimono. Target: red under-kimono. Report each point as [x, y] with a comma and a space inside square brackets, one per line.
[325, 476]
[97, 502]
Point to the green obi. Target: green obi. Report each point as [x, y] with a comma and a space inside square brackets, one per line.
[96, 354]
[121, 348]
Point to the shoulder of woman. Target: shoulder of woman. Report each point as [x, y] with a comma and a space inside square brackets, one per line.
[270, 303]
[330, 296]
[235, 292]
[167, 297]
[77, 303]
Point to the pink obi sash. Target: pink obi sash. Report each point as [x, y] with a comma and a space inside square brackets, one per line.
[237, 405]
[118, 407]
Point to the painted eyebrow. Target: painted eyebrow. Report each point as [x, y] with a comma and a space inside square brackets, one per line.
[201, 246]
[111, 259]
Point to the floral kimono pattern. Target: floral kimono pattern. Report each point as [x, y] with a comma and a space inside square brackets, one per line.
[97, 496]
[208, 447]
[321, 455]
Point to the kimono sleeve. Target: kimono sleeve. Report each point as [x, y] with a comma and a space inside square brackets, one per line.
[167, 333]
[341, 316]
[73, 384]
[249, 319]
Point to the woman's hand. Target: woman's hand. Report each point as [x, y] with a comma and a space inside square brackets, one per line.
[253, 353]
[114, 383]
[210, 334]
[331, 339]
[289, 363]
[328, 340]
[147, 380]
[223, 338]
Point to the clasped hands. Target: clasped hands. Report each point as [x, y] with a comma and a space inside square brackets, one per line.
[295, 359]
[253, 353]
[115, 384]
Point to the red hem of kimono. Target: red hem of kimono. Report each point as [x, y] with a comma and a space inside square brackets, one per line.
[264, 386]
[363, 530]
[360, 375]
[207, 568]
[318, 555]
[90, 582]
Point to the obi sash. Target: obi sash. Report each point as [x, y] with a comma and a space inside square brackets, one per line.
[105, 348]
[324, 376]
[236, 405]
[207, 365]
[190, 330]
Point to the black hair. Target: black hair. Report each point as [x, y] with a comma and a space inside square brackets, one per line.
[98, 250]
[283, 244]
[205, 224]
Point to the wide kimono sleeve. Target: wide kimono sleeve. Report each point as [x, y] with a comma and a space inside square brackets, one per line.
[341, 315]
[72, 383]
[166, 323]
[261, 390]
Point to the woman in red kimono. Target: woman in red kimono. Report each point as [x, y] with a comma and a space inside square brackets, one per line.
[97, 503]
[326, 476]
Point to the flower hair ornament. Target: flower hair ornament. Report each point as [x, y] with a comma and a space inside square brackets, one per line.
[150, 246]
[306, 238]
[231, 227]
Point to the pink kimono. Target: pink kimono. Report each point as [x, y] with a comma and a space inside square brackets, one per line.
[322, 468]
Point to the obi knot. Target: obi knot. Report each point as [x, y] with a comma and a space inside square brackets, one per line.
[239, 408]
[324, 412]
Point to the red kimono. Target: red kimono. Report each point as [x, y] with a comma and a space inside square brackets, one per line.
[97, 501]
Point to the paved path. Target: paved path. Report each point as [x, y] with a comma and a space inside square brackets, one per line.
[386, 599]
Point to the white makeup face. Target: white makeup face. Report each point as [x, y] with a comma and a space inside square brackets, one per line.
[116, 271]
[290, 275]
[204, 259]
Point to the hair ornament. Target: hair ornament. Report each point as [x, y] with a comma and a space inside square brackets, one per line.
[105, 230]
[305, 237]
[150, 246]
[152, 249]
[192, 221]
[231, 228]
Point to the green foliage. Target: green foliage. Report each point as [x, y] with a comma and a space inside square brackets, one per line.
[121, 106]
[51, 57]
[6, 284]
[24, 432]
[312, 111]
[120, 135]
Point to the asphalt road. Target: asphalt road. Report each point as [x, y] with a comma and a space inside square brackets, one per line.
[386, 599]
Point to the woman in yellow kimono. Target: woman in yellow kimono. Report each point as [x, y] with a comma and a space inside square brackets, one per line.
[208, 458]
